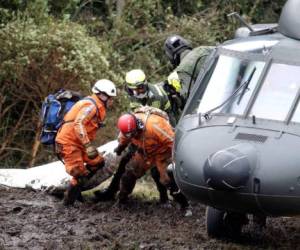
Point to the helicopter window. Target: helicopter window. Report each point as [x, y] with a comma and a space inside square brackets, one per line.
[278, 93]
[229, 81]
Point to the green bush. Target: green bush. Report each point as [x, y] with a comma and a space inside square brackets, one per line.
[38, 8]
[35, 61]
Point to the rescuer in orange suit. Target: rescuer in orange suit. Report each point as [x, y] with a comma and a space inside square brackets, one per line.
[153, 135]
[73, 140]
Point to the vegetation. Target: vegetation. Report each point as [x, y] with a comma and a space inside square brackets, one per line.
[46, 45]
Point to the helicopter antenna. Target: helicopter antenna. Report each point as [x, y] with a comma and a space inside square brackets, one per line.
[242, 20]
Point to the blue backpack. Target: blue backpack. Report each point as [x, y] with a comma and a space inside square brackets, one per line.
[54, 108]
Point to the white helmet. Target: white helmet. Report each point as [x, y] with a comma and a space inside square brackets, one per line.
[105, 86]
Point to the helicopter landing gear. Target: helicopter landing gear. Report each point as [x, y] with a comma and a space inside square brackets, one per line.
[221, 223]
[259, 224]
[260, 220]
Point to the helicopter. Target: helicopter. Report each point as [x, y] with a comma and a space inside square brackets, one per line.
[237, 143]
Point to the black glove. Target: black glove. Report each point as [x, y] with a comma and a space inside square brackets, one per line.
[118, 150]
[82, 180]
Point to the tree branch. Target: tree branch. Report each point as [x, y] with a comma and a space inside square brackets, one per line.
[14, 130]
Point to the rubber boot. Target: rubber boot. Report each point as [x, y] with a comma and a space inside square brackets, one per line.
[163, 192]
[108, 193]
[128, 181]
[72, 194]
[179, 197]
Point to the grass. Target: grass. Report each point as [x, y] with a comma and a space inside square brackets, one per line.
[144, 189]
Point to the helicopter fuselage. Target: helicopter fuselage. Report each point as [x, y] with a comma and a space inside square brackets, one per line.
[237, 145]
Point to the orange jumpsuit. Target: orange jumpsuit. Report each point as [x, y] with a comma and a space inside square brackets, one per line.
[80, 127]
[154, 144]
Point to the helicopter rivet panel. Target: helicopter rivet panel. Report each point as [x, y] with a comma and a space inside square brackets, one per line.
[251, 137]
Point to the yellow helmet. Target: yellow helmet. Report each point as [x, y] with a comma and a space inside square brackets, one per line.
[174, 81]
[134, 78]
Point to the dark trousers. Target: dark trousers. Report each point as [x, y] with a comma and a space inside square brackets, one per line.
[129, 179]
[114, 185]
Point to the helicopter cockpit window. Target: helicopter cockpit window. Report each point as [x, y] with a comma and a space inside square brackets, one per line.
[232, 81]
[278, 93]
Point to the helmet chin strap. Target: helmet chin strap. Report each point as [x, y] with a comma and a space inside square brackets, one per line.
[103, 98]
[141, 96]
[177, 54]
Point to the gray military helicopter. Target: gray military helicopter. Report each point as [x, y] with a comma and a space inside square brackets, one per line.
[237, 145]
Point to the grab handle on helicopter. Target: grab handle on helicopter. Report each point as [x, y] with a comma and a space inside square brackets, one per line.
[242, 20]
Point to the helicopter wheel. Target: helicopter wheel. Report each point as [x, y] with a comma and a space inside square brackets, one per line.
[259, 224]
[214, 222]
[220, 223]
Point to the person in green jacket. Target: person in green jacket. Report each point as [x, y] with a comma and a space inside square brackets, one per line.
[187, 62]
[142, 93]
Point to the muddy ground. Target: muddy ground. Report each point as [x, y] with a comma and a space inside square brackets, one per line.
[34, 220]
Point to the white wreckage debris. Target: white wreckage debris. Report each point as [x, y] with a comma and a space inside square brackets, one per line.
[52, 177]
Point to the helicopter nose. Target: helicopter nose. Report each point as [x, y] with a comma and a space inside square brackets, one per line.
[227, 169]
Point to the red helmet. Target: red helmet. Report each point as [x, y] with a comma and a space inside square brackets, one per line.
[127, 124]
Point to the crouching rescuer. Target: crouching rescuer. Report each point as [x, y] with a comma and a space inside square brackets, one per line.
[153, 136]
[73, 141]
